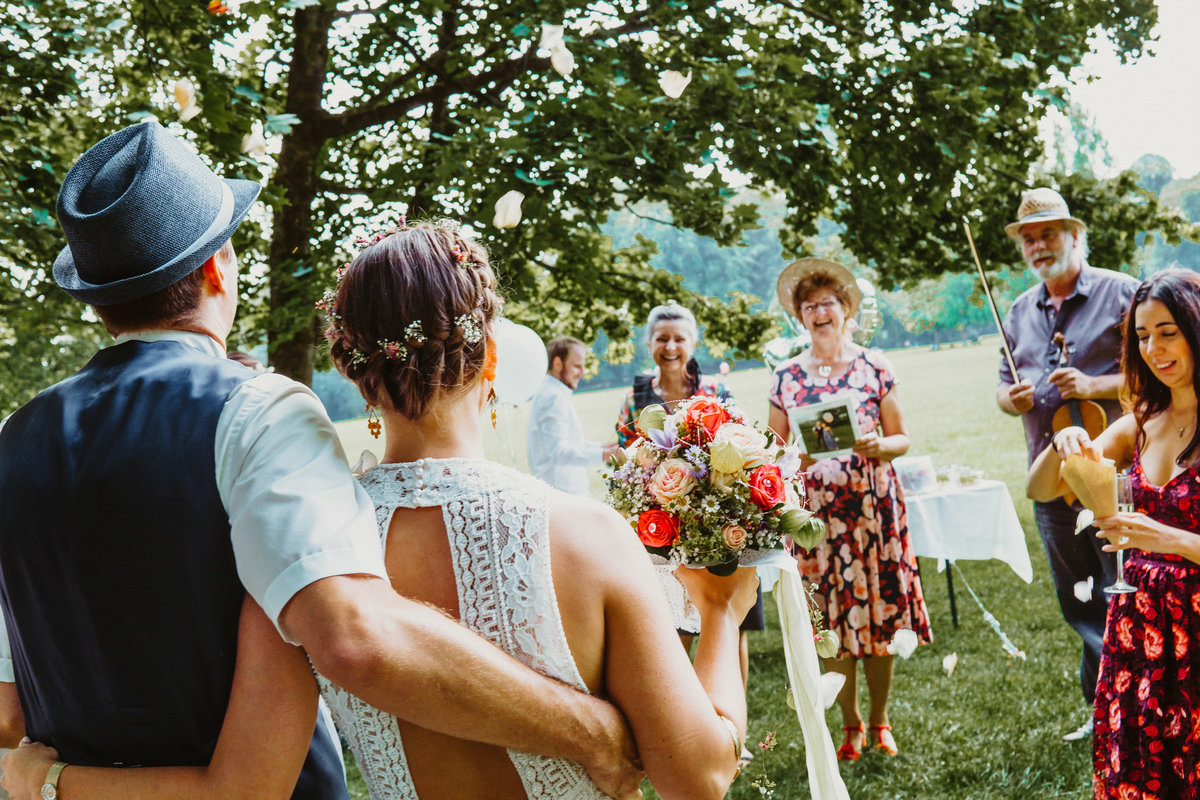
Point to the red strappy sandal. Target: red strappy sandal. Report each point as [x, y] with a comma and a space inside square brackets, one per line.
[884, 740]
[848, 751]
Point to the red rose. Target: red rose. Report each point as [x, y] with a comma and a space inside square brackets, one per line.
[657, 528]
[706, 414]
[766, 487]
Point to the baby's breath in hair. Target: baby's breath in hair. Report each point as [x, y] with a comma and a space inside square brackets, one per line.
[414, 333]
[471, 332]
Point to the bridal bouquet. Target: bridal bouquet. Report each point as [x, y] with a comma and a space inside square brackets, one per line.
[702, 487]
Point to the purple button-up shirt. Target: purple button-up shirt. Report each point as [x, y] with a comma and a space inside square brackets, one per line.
[1090, 320]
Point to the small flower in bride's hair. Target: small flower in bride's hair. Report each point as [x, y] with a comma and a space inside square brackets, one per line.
[358, 356]
[341, 271]
[471, 331]
[414, 333]
[769, 742]
[392, 350]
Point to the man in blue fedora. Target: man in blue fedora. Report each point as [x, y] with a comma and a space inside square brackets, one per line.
[144, 497]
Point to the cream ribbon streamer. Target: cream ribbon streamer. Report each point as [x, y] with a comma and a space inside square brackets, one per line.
[804, 672]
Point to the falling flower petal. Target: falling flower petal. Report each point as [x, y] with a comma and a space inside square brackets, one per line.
[185, 93]
[673, 83]
[365, 462]
[949, 663]
[1085, 518]
[552, 37]
[217, 8]
[508, 210]
[827, 689]
[903, 644]
[1083, 590]
[253, 144]
[562, 60]
[185, 98]
[724, 368]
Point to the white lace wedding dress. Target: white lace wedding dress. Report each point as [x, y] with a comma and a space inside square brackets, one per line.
[497, 522]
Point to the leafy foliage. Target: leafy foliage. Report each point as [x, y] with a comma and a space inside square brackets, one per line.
[891, 118]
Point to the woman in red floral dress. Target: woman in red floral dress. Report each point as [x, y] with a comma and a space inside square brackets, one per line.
[1147, 715]
[865, 571]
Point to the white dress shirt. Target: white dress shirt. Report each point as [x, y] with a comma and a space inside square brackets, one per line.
[295, 513]
[558, 453]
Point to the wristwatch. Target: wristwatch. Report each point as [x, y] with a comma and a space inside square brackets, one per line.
[50, 787]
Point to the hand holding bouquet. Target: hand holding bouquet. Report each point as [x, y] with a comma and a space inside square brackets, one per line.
[704, 488]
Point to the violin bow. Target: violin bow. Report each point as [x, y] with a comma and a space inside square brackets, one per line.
[987, 292]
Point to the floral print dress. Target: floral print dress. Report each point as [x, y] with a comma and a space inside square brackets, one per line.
[865, 570]
[1147, 737]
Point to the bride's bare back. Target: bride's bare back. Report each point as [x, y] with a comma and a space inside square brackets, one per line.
[620, 635]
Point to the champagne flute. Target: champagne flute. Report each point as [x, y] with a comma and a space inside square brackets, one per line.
[1124, 503]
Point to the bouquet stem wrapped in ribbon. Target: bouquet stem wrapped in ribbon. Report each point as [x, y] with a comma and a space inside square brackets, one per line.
[704, 488]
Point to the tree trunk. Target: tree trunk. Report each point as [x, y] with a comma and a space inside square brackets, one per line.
[293, 322]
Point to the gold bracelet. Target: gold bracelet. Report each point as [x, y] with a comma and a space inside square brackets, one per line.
[737, 745]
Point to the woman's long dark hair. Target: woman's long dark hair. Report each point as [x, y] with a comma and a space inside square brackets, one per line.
[1179, 291]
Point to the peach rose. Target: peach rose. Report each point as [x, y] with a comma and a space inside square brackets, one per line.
[749, 444]
[671, 481]
[734, 536]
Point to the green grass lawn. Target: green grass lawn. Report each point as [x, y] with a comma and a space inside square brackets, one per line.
[993, 728]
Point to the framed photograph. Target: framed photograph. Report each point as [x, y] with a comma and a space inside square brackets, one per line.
[827, 429]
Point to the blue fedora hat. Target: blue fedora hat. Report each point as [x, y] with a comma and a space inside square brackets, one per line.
[141, 211]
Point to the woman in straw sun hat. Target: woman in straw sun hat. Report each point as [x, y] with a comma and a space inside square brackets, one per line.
[865, 572]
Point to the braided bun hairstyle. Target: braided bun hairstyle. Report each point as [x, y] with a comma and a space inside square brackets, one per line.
[410, 316]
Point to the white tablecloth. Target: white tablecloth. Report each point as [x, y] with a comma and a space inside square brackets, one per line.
[976, 521]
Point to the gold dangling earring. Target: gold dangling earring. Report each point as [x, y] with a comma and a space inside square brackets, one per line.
[491, 400]
[373, 423]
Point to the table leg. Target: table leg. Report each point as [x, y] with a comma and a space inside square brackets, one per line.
[950, 592]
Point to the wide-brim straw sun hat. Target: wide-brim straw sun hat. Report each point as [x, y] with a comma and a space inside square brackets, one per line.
[141, 211]
[785, 287]
[1042, 205]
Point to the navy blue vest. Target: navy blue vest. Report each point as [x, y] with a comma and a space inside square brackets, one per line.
[117, 573]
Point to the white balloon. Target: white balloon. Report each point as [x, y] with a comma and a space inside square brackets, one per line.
[520, 362]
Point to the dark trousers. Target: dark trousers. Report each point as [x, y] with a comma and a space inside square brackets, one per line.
[1072, 559]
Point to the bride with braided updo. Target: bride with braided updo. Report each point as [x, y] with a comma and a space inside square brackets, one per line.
[559, 582]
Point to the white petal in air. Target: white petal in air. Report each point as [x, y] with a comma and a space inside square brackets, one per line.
[673, 83]
[949, 663]
[827, 690]
[1085, 518]
[1083, 590]
[562, 60]
[508, 210]
[903, 644]
[185, 93]
[552, 37]
[253, 144]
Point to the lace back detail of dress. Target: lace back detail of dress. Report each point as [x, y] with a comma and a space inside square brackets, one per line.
[497, 525]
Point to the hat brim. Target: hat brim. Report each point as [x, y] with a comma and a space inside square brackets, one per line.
[785, 287]
[1013, 229]
[66, 275]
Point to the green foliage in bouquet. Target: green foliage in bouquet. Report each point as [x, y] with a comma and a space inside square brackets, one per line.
[700, 485]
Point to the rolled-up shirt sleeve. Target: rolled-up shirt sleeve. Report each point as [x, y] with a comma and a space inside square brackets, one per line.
[296, 515]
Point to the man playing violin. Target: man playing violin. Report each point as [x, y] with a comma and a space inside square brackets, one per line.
[1065, 335]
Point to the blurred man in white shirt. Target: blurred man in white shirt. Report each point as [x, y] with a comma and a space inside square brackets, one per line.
[558, 453]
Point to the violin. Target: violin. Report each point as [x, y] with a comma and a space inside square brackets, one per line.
[1086, 414]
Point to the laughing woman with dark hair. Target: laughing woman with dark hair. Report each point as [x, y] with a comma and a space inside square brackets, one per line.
[1147, 713]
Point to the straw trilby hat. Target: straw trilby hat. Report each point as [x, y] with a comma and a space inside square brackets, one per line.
[1041, 205]
[785, 287]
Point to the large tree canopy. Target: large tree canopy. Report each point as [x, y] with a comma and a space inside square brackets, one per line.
[894, 119]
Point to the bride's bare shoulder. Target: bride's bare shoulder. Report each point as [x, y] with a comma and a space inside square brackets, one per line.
[585, 529]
